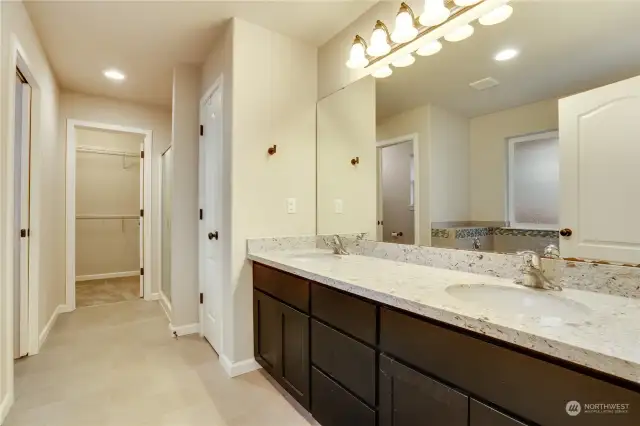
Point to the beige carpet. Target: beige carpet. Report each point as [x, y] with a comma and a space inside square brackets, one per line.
[100, 292]
[116, 365]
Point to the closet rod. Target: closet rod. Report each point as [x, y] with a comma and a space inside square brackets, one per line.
[106, 151]
[107, 216]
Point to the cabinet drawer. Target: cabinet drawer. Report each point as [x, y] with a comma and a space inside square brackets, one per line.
[288, 288]
[347, 313]
[349, 362]
[482, 415]
[331, 405]
[410, 398]
[529, 387]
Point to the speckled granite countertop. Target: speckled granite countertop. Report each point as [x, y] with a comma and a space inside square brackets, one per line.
[604, 335]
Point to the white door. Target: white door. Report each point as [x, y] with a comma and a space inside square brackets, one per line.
[21, 163]
[600, 173]
[141, 220]
[211, 214]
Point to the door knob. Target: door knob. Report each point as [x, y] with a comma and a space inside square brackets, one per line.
[566, 232]
[213, 235]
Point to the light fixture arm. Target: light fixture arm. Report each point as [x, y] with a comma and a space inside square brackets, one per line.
[406, 8]
[382, 26]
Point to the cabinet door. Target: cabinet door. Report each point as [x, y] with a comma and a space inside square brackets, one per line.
[266, 331]
[409, 398]
[599, 151]
[294, 363]
[482, 415]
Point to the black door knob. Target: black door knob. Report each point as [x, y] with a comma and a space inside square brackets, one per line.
[566, 232]
[213, 235]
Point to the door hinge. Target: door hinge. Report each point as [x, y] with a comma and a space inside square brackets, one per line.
[201, 130]
[141, 271]
[201, 214]
[201, 298]
[141, 212]
[23, 233]
[28, 232]
[141, 154]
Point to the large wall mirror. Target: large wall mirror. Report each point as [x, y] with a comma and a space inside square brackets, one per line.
[525, 135]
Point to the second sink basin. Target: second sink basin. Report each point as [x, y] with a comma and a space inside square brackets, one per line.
[520, 301]
[318, 255]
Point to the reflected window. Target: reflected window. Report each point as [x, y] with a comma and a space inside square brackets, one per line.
[534, 181]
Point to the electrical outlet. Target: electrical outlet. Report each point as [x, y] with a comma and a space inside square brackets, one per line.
[291, 205]
[338, 206]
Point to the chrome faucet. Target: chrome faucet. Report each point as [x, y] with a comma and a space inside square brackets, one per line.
[532, 269]
[336, 244]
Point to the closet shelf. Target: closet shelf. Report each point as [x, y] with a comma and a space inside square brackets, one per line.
[107, 216]
[106, 151]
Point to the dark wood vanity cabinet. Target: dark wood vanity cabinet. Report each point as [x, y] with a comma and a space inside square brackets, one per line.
[410, 398]
[351, 361]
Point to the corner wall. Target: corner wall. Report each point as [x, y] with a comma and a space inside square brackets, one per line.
[47, 165]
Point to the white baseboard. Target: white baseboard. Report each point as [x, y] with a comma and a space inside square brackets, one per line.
[107, 276]
[61, 309]
[234, 369]
[154, 296]
[166, 305]
[183, 330]
[5, 405]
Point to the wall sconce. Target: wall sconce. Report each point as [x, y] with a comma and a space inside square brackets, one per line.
[271, 150]
[355, 161]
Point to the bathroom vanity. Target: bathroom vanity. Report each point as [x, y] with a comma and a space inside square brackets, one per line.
[363, 348]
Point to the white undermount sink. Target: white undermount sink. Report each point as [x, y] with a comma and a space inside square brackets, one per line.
[526, 301]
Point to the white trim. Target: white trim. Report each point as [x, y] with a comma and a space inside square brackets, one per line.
[234, 369]
[107, 276]
[155, 296]
[71, 201]
[166, 305]
[60, 309]
[183, 330]
[5, 405]
[417, 211]
[511, 142]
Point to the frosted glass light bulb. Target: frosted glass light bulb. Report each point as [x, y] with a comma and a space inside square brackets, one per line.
[464, 3]
[383, 72]
[430, 48]
[404, 61]
[379, 44]
[435, 13]
[404, 30]
[497, 15]
[460, 33]
[357, 57]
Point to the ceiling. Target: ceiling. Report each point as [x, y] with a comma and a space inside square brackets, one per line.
[565, 48]
[145, 39]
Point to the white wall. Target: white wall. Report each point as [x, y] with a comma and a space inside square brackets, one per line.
[111, 111]
[449, 189]
[47, 268]
[488, 153]
[184, 204]
[346, 129]
[107, 185]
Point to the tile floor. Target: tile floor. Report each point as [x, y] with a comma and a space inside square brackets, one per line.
[100, 292]
[116, 365]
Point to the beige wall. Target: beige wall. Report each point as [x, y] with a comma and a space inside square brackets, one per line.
[184, 203]
[274, 89]
[110, 111]
[449, 141]
[47, 189]
[107, 185]
[346, 129]
[488, 153]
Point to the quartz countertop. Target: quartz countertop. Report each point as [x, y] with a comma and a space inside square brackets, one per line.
[606, 337]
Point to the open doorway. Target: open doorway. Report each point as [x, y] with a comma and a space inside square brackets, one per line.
[211, 240]
[108, 191]
[21, 218]
[397, 190]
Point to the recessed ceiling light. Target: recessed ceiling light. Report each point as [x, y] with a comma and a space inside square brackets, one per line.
[113, 74]
[506, 54]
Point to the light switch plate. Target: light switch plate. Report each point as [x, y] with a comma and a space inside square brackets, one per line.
[291, 205]
[337, 205]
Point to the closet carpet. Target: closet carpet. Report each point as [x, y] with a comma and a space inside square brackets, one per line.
[100, 292]
[117, 365]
